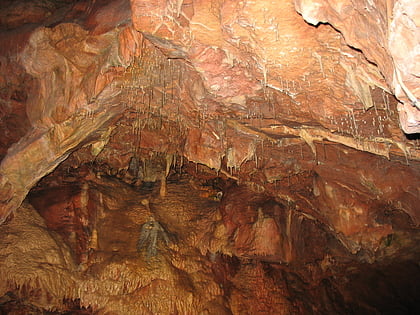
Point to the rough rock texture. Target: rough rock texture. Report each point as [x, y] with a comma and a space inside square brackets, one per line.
[297, 129]
[111, 276]
[81, 256]
[388, 35]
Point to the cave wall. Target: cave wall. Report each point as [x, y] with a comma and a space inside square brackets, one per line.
[219, 83]
[309, 122]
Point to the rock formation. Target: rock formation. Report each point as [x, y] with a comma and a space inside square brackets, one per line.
[274, 144]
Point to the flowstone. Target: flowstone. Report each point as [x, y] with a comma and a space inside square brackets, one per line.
[150, 233]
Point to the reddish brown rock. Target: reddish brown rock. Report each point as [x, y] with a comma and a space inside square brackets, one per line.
[387, 33]
[265, 154]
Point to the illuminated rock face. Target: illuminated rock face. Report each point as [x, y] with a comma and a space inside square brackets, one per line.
[387, 33]
[287, 139]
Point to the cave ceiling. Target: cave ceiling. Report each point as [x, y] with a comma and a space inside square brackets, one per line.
[312, 103]
[214, 81]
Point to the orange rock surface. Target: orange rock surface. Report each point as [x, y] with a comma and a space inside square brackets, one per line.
[275, 143]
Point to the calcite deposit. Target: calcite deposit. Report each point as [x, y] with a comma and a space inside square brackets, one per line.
[270, 147]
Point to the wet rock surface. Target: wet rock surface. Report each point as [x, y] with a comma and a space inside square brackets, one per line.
[81, 246]
[273, 166]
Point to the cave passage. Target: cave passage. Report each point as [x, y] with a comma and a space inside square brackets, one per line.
[83, 256]
[209, 157]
